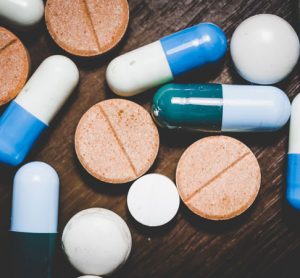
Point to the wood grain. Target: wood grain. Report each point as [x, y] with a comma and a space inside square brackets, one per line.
[263, 242]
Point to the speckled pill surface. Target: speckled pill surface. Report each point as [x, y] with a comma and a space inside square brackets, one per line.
[218, 177]
[87, 27]
[14, 65]
[116, 141]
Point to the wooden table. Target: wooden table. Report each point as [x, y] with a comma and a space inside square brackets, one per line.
[262, 242]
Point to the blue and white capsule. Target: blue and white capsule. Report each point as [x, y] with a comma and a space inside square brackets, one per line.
[34, 220]
[293, 159]
[162, 61]
[31, 112]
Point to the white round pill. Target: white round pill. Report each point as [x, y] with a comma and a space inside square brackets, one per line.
[96, 241]
[153, 200]
[264, 49]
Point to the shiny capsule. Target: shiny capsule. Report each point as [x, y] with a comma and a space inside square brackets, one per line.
[293, 158]
[216, 107]
[162, 61]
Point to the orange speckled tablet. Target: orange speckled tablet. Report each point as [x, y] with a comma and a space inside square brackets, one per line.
[218, 177]
[87, 27]
[14, 65]
[116, 141]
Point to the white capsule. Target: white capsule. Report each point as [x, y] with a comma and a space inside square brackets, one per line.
[22, 13]
[49, 87]
[96, 241]
[35, 199]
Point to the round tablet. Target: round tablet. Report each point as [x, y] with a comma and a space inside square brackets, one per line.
[96, 241]
[153, 200]
[14, 65]
[218, 177]
[264, 49]
[116, 141]
[87, 27]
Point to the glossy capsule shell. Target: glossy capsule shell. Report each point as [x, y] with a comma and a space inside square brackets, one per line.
[22, 14]
[162, 61]
[293, 159]
[216, 107]
[31, 112]
[34, 220]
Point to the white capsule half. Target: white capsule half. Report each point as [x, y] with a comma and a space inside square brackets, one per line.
[22, 13]
[294, 137]
[35, 199]
[254, 108]
[49, 87]
[138, 70]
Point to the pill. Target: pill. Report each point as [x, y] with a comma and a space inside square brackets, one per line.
[165, 59]
[87, 27]
[22, 14]
[34, 220]
[30, 113]
[96, 241]
[153, 200]
[218, 177]
[264, 49]
[116, 141]
[14, 65]
[216, 107]
[293, 158]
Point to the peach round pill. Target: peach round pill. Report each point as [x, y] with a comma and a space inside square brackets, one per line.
[14, 65]
[87, 28]
[218, 177]
[116, 141]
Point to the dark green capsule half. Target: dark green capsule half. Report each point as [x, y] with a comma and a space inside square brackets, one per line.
[189, 106]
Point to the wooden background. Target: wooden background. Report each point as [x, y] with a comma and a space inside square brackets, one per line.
[263, 242]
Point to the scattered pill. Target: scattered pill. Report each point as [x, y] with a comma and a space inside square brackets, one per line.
[163, 60]
[153, 200]
[218, 177]
[38, 102]
[22, 14]
[14, 65]
[293, 165]
[34, 220]
[116, 141]
[87, 28]
[264, 49]
[96, 241]
[216, 107]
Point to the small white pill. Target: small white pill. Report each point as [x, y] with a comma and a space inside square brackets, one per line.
[153, 200]
[22, 13]
[96, 241]
[264, 49]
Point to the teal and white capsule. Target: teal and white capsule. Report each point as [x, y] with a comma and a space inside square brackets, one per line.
[216, 107]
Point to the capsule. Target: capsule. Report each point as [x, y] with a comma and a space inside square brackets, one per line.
[293, 159]
[162, 61]
[34, 220]
[216, 107]
[22, 14]
[31, 112]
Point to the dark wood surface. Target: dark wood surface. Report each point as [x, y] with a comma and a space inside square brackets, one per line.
[263, 242]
